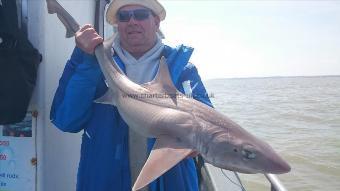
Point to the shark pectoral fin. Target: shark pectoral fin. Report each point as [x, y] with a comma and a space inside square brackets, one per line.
[107, 98]
[166, 153]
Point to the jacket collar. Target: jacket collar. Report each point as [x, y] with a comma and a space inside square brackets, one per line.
[177, 59]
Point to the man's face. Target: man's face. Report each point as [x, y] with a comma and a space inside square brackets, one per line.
[138, 36]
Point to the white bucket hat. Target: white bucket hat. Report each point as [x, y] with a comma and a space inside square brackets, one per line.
[115, 5]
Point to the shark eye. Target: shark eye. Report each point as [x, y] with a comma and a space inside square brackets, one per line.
[248, 154]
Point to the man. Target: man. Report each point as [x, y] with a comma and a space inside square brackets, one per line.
[105, 161]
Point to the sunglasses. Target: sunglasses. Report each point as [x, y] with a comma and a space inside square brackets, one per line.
[138, 14]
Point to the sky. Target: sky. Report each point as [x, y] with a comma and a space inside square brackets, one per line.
[257, 38]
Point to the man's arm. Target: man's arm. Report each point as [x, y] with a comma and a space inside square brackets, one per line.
[73, 99]
[72, 102]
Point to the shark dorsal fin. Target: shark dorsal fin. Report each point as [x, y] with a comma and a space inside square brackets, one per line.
[162, 82]
[166, 153]
[163, 75]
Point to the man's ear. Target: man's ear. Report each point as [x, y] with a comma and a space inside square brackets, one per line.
[157, 21]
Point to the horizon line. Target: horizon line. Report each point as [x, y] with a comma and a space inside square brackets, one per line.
[262, 77]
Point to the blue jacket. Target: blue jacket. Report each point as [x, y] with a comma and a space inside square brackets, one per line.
[104, 158]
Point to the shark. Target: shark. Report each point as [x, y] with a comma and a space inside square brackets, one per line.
[181, 125]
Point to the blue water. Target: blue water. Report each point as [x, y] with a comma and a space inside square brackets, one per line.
[298, 116]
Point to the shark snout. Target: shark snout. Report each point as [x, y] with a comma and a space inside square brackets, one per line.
[280, 166]
[276, 164]
[271, 161]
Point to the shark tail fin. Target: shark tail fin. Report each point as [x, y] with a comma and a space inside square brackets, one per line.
[69, 32]
[51, 8]
[166, 153]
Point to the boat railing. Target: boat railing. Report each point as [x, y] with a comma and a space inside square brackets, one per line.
[216, 179]
[275, 183]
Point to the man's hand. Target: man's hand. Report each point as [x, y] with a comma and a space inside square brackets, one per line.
[87, 38]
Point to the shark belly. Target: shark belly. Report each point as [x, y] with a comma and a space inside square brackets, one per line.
[152, 120]
[141, 116]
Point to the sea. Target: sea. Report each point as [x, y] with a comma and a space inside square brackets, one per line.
[298, 116]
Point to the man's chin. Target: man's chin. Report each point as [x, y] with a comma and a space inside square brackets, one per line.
[136, 43]
[135, 36]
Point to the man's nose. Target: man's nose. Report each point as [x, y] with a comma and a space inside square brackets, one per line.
[132, 20]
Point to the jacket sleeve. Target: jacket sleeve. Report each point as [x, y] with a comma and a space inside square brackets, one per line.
[72, 102]
[199, 92]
